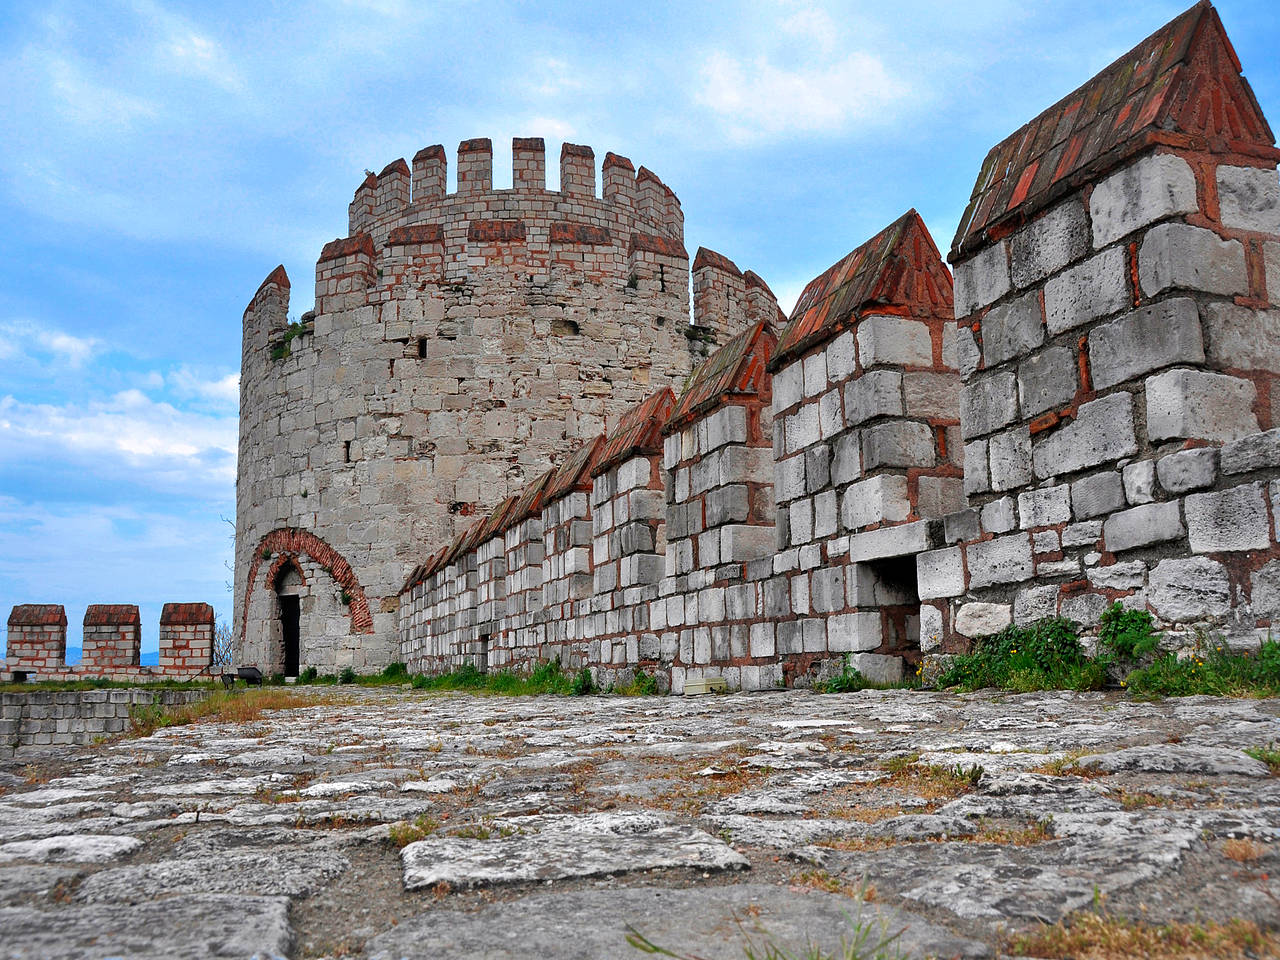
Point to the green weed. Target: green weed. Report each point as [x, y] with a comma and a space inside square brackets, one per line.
[1045, 655]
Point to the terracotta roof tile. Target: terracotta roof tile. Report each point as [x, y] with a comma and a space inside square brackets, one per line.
[111, 614]
[737, 369]
[575, 472]
[1182, 85]
[639, 432]
[38, 615]
[186, 613]
[899, 268]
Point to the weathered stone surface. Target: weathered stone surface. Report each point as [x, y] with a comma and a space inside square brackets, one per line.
[877, 393]
[1178, 758]
[894, 340]
[1097, 495]
[554, 847]
[1139, 481]
[988, 403]
[1101, 432]
[1048, 244]
[697, 922]
[1178, 255]
[1012, 329]
[1229, 520]
[981, 280]
[1095, 288]
[898, 443]
[1045, 506]
[1249, 198]
[177, 928]
[1188, 469]
[71, 848]
[960, 350]
[1147, 339]
[1010, 459]
[940, 573]
[982, 619]
[1046, 380]
[1143, 525]
[1243, 338]
[1000, 560]
[1154, 187]
[1205, 406]
[1264, 592]
[1254, 452]
[1189, 590]
[896, 541]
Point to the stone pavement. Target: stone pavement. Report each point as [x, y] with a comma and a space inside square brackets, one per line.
[388, 824]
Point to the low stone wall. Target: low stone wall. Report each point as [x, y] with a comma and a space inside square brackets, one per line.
[47, 718]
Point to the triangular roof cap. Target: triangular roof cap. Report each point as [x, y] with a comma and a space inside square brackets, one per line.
[737, 369]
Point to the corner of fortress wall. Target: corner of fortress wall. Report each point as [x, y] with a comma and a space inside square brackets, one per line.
[460, 344]
[1099, 426]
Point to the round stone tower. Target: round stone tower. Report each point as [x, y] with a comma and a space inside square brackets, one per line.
[460, 344]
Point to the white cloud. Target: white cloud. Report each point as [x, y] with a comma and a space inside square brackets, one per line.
[222, 391]
[757, 98]
[22, 338]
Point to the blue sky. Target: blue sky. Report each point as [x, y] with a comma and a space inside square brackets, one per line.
[160, 159]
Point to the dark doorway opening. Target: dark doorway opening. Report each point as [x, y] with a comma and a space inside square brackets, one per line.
[289, 616]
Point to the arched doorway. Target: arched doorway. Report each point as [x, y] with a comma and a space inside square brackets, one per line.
[289, 587]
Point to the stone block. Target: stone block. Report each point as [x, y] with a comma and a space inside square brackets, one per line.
[1047, 380]
[1012, 329]
[815, 373]
[998, 516]
[898, 341]
[740, 543]
[1271, 264]
[826, 591]
[1101, 432]
[1097, 495]
[1256, 452]
[788, 386]
[982, 619]
[1145, 340]
[802, 428]
[849, 632]
[1045, 506]
[877, 393]
[1189, 590]
[875, 500]
[1228, 520]
[1243, 338]
[1192, 404]
[1188, 469]
[1156, 186]
[842, 358]
[1129, 575]
[877, 667]
[1047, 245]
[961, 525]
[788, 481]
[1085, 609]
[960, 349]
[1249, 198]
[898, 443]
[977, 475]
[939, 496]
[987, 403]
[1035, 603]
[982, 279]
[1010, 459]
[1000, 560]
[928, 395]
[1139, 482]
[817, 468]
[897, 541]
[1086, 533]
[1095, 288]
[1143, 525]
[826, 514]
[940, 573]
[1180, 256]
[930, 628]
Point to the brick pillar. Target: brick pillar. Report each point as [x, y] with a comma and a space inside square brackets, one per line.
[112, 639]
[186, 639]
[37, 638]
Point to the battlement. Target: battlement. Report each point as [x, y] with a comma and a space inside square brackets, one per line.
[402, 193]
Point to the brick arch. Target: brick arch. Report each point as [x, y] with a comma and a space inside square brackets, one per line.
[277, 568]
[291, 543]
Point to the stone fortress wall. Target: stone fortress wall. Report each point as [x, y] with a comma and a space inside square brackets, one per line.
[461, 344]
[1087, 417]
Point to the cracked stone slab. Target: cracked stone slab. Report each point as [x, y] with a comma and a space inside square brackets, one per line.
[556, 847]
[1178, 758]
[71, 848]
[174, 928]
[698, 921]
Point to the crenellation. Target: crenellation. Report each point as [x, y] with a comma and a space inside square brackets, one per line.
[577, 170]
[430, 175]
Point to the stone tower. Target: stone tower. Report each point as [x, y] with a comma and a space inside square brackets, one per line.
[461, 344]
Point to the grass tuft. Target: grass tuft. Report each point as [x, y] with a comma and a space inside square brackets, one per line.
[222, 706]
[1092, 936]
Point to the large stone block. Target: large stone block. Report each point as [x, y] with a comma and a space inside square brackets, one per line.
[1191, 404]
[1050, 243]
[1228, 520]
[875, 500]
[788, 386]
[1000, 560]
[988, 402]
[931, 395]
[894, 340]
[877, 667]
[1255, 452]
[1101, 432]
[1047, 380]
[1045, 507]
[1157, 336]
[1189, 590]
[1178, 255]
[1264, 592]
[939, 496]
[1097, 495]
[999, 516]
[1157, 186]
[846, 466]
[1010, 459]
[982, 619]
[877, 393]
[848, 632]
[842, 357]
[940, 573]
[977, 477]
[1244, 338]
[960, 350]
[1249, 198]
[1095, 288]
[982, 279]
[1143, 525]
[898, 443]
[1012, 329]
[1188, 469]
[898, 541]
